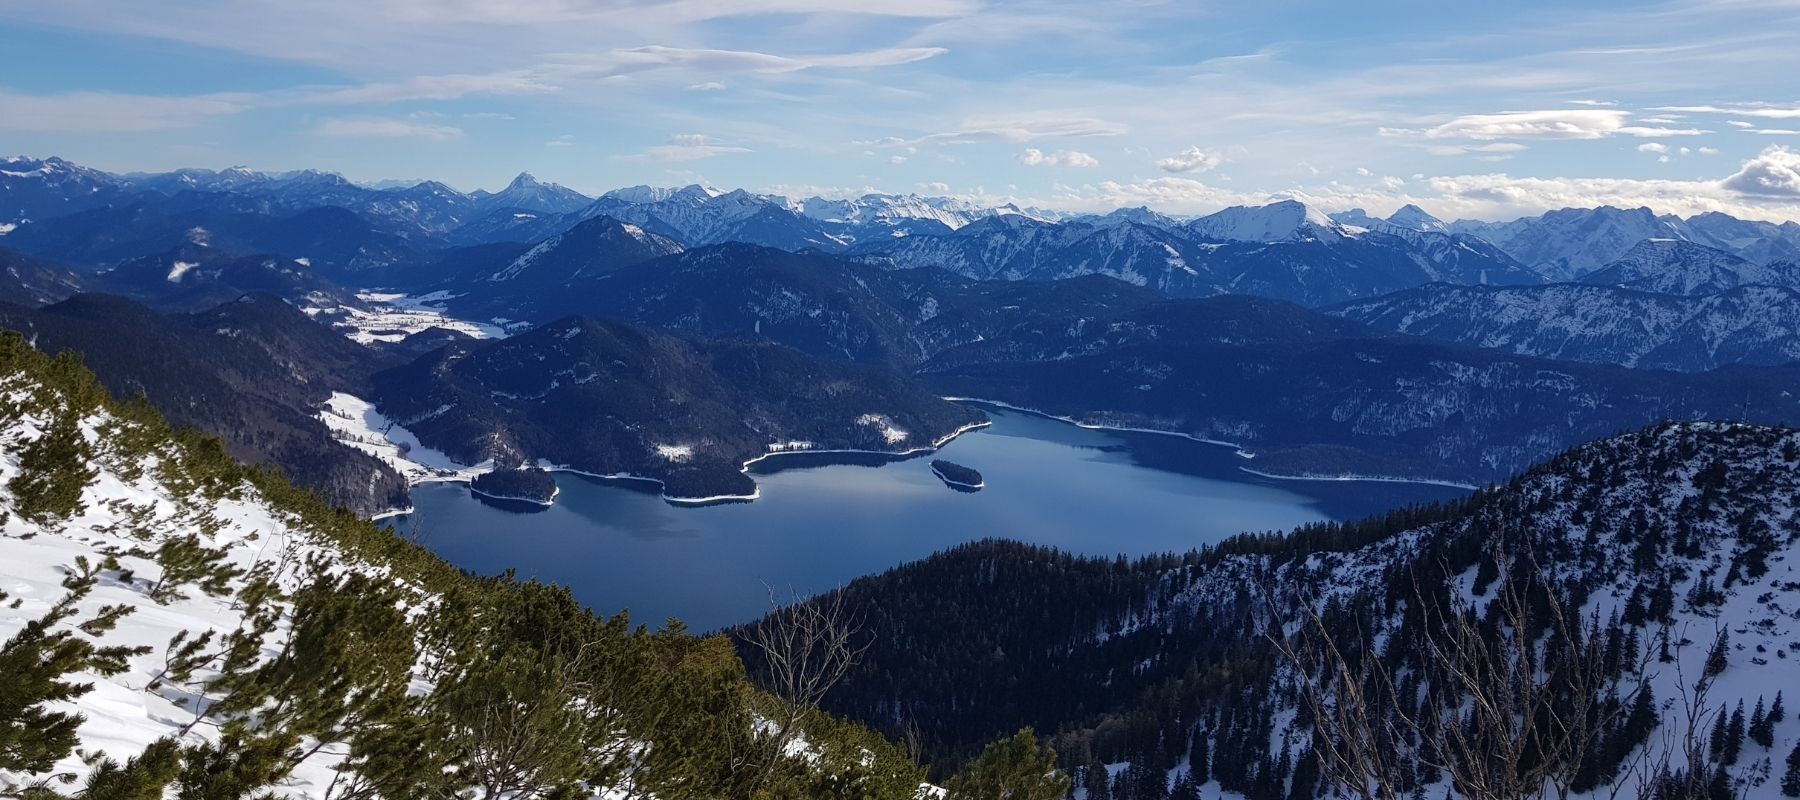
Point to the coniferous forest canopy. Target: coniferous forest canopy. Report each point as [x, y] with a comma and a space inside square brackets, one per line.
[937, 400]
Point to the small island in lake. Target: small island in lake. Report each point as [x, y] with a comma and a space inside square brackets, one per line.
[523, 485]
[957, 476]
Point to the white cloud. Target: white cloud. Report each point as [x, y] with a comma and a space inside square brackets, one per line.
[101, 112]
[935, 187]
[1762, 110]
[1192, 159]
[385, 129]
[1466, 149]
[1775, 172]
[1010, 129]
[636, 60]
[685, 147]
[706, 86]
[1653, 147]
[1567, 123]
[1708, 151]
[1033, 157]
[896, 160]
[424, 87]
[565, 140]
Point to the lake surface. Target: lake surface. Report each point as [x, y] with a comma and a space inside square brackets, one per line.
[822, 522]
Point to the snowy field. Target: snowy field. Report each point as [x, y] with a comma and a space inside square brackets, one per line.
[391, 317]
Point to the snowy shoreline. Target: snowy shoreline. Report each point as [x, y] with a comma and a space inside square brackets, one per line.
[1096, 427]
[554, 493]
[1241, 451]
[954, 482]
[371, 432]
[1360, 478]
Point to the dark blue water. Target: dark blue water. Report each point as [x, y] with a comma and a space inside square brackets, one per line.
[822, 522]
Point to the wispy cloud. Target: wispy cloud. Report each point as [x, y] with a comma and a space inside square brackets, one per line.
[1562, 123]
[1010, 129]
[384, 129]
[104, 112]
[1466, 149]
[1762, 110]
[686, 147]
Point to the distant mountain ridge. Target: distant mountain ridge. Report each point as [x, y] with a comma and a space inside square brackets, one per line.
[1751, 325]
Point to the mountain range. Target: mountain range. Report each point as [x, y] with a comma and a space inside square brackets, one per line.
[422, 218]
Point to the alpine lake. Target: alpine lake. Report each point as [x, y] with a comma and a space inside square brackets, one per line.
[824, 519]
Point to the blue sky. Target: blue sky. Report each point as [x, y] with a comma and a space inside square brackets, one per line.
[1483, 110]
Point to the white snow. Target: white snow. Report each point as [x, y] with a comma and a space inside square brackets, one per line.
[355, 422]
[123, 714]
[890, 432]
[391, 317]
[179, 269]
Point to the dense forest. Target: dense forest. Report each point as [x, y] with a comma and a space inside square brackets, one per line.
[527, 484]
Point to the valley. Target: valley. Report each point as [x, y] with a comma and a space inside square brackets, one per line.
[1121, 478]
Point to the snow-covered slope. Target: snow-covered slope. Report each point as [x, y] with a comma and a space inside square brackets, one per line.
[1700, 515]
[527, 193]
[1757, 325]
[160, 602]
[1283, 220]
[1572, 241]
[129, 510]
[1675, 266]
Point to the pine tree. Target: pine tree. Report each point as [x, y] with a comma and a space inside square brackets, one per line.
[141, 778]
[53, 470]
[1715, 743]
[184, 560]
[1776, 713]
[1184, 789]
[1305, 782]
[1790, 780]
[1642, 718]
[1718, 658]
[37, 663]
[1734, 736]
[1761, 730]
[1719, 788]
[1097, 781]
[1200, 758]
[1010, 769]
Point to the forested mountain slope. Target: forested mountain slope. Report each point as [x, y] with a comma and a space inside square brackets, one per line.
[249, 372]
[1755, 325]
[1654, 573]
[615, 399]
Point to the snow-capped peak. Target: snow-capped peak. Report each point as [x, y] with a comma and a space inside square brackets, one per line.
[1282, 220]
[1414, 218]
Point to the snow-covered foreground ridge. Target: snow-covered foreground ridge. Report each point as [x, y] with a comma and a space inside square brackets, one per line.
[173, 619]
[1671, 555]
